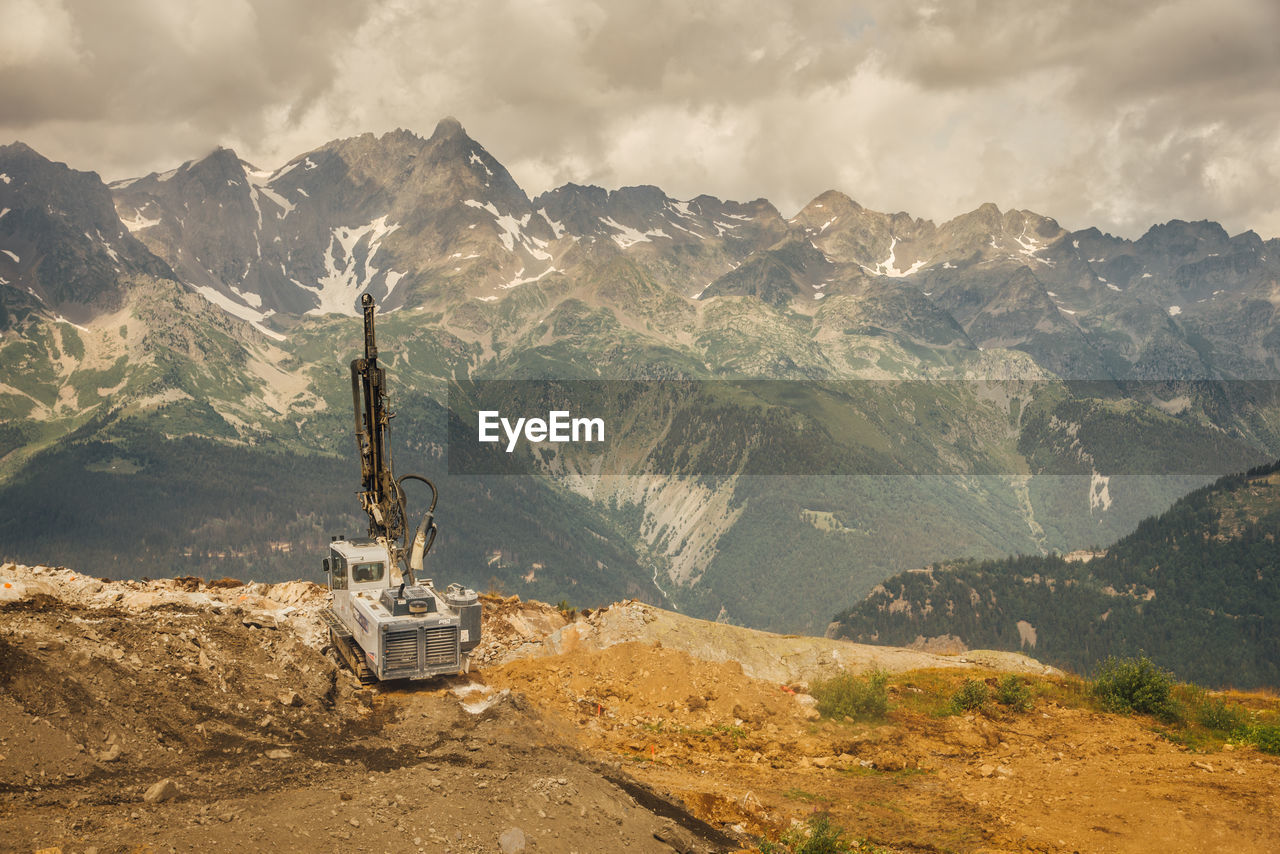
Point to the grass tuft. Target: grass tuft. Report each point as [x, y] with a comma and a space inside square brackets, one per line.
[1015, 692]
[857, 697]
[1217, 715]
[970, 697]
[819, 836]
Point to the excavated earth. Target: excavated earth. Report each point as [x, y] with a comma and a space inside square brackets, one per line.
[175, 715]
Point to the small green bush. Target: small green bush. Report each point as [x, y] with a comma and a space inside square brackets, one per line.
[1137, 685]
[857, 697]
[1014, 692]
[1266, 737]
[820, 836]
[1216, 715]
[971, 696]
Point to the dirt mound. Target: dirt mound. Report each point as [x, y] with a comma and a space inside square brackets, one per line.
[106, 689]
[178, 715]
[762, 655]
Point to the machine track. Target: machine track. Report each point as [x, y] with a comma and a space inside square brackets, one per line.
[349, 651]
[347, 648]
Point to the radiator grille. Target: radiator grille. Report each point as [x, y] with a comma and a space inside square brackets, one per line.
[442, 645]
[401, 650]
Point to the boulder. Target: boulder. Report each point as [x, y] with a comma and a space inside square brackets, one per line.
[164, 790]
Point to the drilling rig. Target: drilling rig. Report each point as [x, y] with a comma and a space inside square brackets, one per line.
[386, 622]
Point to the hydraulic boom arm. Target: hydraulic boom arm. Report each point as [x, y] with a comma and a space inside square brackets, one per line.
[380, 495]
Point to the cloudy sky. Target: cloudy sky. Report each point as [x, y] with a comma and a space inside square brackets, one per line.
[1113, 113]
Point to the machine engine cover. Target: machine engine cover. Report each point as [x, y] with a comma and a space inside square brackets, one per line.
[413, 600]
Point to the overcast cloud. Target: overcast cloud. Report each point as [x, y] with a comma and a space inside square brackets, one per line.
[1096, 112]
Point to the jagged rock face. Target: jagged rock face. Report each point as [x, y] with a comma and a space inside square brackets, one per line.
[61, 243]
[440, 224]
[417, 223]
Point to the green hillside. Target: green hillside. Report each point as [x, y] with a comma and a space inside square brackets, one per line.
[1196, 588]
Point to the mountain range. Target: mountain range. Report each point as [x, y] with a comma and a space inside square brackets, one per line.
[174, 398]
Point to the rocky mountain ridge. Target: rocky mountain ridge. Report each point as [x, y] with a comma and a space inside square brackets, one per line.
[434, 223]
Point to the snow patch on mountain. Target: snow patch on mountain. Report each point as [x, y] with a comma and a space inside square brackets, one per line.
[102, 241]
[477, 160]
[513, 230]
[250, 298]
[138, 222]
[258, 184]
[1029, 245]
[681, 209]
[521, 279]
[244, 312]
[888, 267]
[628, 236]
[557, 228]
[687, 230]
[1175, 310]
[349, 269]
[393, 279]
[12, 254]
[60, 319]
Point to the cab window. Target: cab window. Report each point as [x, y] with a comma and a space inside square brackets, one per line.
[338, 565]
[364, 572]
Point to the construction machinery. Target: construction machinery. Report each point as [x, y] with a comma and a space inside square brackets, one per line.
[386, 621]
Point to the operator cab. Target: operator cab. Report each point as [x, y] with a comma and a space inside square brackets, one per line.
[357, 565]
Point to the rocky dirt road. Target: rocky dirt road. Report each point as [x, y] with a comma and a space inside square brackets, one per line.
[176, 716]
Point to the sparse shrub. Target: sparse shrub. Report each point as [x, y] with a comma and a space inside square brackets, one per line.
[819, 836]
[569, 612]
[858, 697]
[971, 696]
[1137, 685]
[1266, 737]
[1216, 715]
[1014, 692]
